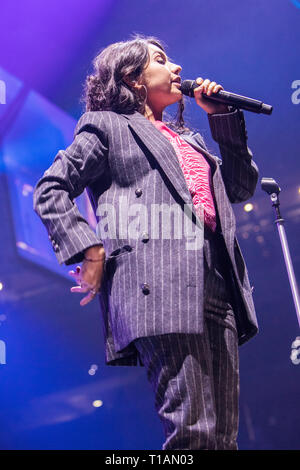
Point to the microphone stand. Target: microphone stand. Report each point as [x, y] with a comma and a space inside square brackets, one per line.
[271, 187]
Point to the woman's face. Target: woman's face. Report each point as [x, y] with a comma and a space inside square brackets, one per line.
[162, 80]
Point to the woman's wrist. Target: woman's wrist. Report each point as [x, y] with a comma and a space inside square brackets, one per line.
[221, 110]
[95, 253]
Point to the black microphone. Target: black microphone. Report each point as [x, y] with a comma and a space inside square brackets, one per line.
[242, 102]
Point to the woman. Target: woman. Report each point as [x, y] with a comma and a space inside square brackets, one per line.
[179, 308]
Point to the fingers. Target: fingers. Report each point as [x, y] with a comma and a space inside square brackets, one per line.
[207, 87]
[92, 292]
[78, 268]
[87, 298]
[83, 286]
[76, 273]
[80, 289]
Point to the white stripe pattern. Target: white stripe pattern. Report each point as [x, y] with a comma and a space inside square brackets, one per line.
[113, 155]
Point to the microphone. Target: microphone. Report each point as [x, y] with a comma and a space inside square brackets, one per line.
[249, 104]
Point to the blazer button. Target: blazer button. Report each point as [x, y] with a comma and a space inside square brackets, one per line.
[145, 237]
[145, 288]
[56, 247]
[138, 192]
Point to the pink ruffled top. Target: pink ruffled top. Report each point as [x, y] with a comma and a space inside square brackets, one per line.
[197, 173]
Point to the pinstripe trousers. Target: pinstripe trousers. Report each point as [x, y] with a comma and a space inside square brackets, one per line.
[195, 377]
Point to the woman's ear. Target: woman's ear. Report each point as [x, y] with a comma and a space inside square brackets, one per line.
[132, 83]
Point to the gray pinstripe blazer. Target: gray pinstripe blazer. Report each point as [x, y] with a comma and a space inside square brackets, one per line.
[151, 285]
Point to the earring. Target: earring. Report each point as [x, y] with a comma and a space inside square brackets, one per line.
[146, 93]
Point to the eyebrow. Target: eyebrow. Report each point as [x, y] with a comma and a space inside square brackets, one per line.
[163, 55]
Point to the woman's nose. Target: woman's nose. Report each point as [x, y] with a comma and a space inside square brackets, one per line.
[176, 68]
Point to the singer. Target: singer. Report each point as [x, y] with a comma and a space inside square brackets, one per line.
[179, 312]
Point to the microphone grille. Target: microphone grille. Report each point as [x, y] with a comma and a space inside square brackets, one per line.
[187, 87]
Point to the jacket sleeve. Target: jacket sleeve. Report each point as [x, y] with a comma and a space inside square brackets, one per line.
[71, 171]
[239, 171]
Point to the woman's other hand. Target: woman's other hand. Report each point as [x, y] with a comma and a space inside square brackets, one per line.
[208, 87]
[89, 275]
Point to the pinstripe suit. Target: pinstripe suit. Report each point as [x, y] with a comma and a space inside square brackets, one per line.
[195, 377]
[150, 286]
[178, 311]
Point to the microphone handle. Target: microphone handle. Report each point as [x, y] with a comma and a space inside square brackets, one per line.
[239, 101]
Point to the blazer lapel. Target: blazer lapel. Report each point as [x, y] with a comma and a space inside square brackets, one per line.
[162, 150]
[165, 155]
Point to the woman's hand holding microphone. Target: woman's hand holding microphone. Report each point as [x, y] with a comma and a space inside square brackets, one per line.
[208, 87]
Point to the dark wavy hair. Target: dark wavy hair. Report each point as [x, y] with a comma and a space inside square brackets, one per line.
[105, 88]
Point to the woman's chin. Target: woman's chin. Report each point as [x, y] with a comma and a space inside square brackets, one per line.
[176, 96]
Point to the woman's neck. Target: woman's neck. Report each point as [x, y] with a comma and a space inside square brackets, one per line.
[152, 115]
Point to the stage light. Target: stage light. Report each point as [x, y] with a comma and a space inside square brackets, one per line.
[248, 207]
[1, 286]
[97, 403]
[92, 369]
[26, 189]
